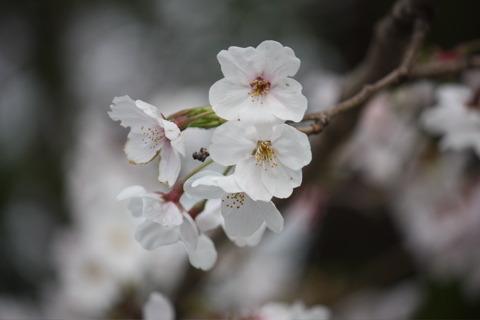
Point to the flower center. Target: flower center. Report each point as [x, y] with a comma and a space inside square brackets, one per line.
[259, 86]
[265, 155]
[154, 135]
[234, 200]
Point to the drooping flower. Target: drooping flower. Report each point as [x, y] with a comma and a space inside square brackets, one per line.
[258, 84]
[150, 134]
[166, 223]
[268, 158]
[456, 117]
[243, 217]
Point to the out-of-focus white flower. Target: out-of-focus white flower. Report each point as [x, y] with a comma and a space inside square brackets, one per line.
[243, 216]
[456, 117]
[284, 311]
[268, 158]
[258, 84]
[150, 135]
[165, 223]
[158, 307]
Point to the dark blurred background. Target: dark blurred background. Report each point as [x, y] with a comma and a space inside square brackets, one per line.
[60, 59]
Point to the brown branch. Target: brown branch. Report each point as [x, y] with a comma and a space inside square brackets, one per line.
[439, 68]
[322, 119]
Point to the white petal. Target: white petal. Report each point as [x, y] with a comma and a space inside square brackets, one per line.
[291, 146]
[140, 149]
[280, 180]
[205, 255]
[257, 110]
[241, 216]
[280, 61]
[204, 185]
[125, 110]
[158, 307]
[210, 218]
[189, 232]
[229, 184]
[241, 64]
[249, 178]
[286, 101]
[132, 191]
[152, 235]
[227, 98]
[251, 241]
[169, 166]
[148, 109]
[233, 141]
[270, 214]
[162, 212]
[173, 133]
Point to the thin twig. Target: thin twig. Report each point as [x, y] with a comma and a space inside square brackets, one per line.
[322, 119]
[440, 68]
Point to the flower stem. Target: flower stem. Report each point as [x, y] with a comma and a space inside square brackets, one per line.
[177, 190]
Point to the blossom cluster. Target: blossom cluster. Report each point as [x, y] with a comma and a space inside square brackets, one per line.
[262, 154]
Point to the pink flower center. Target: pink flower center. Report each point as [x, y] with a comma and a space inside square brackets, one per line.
[265, 155]
[259, 86]
[154, 135]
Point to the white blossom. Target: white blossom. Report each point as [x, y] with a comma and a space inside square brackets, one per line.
[283, 311]
[243, 216]
[258, 84]
[456, 117]
[158, 307]
[166, 223]
[268, 158]
[150, 135]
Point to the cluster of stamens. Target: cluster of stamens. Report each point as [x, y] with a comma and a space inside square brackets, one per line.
[154, 135]
[235, 200]
[259, 86]
[265, 155]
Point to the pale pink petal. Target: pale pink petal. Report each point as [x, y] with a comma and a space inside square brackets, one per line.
[291, 146]
[232, 141]
[280, 61]
[205, 255]
[152, 235]
[286, 101]
[227, 98]
[169, 166]
[248, 176]
[158, 307]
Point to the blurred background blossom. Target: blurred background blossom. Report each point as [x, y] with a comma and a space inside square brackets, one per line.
[400, 241]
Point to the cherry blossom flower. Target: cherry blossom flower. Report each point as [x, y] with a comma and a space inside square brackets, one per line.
[166, 223]
[268, 158]
[150, 135]
[158, 307]
[456, 117]
[283, 311]
[243, 216]
[258, 84]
